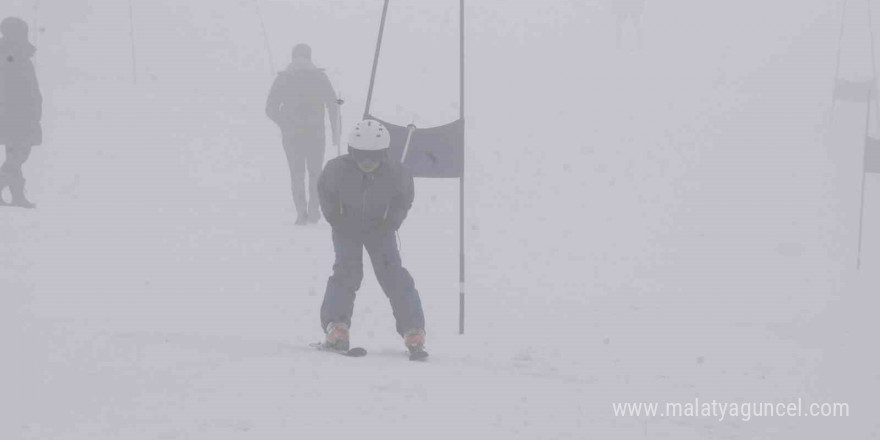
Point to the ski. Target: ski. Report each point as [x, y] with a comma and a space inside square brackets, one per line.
[351, 352]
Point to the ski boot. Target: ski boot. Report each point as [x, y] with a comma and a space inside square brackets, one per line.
[301, 219]
[415, 342]
[337, 336]
[16, 187]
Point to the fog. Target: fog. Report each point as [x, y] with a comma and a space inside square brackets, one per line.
[682, 216]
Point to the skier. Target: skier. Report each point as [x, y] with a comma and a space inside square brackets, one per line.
[365, 197]
[296, 103]
[21, 107]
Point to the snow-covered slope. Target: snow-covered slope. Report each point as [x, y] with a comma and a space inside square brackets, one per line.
[653, 225]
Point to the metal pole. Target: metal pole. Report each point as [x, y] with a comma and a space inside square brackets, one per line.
[837, 68]
[131, 34]
[864, 159]
[873, 58]
[339, 102]
[861, 217]
[36, 31]
[376, 60]
[409, 133]
[840, 39]
[265, 38]
[461, 180]
[871, 93]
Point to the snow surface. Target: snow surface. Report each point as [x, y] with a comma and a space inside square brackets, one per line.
[642, 225]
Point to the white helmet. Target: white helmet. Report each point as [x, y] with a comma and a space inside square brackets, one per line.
[369, 135]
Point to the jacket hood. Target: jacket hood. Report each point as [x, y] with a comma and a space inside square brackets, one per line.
[300, 63]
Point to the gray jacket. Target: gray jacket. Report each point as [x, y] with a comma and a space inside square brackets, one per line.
[21, 104]
[299, 97]
[355, 202]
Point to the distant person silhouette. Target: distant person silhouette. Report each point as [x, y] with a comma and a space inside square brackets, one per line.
[21, 107]
[297, 102]
[628, 10]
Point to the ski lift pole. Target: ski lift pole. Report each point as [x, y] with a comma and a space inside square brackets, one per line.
[134, 75]
[339, 102]
[864, 177]
[265, 38]
[410, 129]
[461, 179]
[840, 40]
[376, 60]
[36, 29]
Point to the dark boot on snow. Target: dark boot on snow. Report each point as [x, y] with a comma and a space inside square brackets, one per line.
[16, 186]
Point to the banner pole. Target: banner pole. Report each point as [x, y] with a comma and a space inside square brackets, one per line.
[134, 74]
[376, 60]
[36, 31]
[840, 39]
[461, 225]
[265, 38]
[873, 59]
[862, 203]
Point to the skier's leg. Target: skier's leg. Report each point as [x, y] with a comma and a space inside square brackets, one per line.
[297, 163]
[315, 163]
[396, 281]
[22, 154]
[348, 272]
[15, 157]
[12, 175]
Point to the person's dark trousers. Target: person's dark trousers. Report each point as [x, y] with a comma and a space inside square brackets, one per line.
[16, 156]
[348, 272]
[10, 172]
[305, 151]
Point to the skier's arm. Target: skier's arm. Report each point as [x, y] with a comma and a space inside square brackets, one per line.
[333, 111]
[332, 104]
[36, 101]
[273, 102]
[402, 202]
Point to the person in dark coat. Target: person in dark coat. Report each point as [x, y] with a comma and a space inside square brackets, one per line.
[21, 107]
[365, 197]
[296, 103]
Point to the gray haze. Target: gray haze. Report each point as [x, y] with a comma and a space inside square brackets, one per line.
[663, 203]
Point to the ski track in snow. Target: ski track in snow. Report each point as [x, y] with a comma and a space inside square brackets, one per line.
[650, 225]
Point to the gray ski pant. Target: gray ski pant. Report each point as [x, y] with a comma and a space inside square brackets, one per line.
[304, 148]
[348, 272]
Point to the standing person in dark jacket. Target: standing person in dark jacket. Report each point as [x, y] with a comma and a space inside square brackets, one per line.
[21, 107]
[365, 198]
[297, 101]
